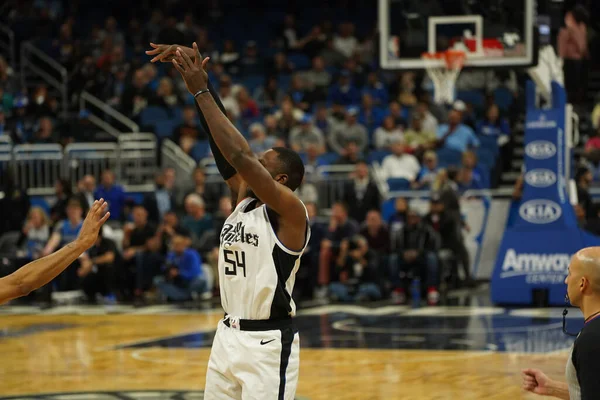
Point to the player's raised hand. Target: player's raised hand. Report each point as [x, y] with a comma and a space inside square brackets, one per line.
[193, 72]
[94, 220]
[536, 381]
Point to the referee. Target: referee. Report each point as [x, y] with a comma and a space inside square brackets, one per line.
[583, 366]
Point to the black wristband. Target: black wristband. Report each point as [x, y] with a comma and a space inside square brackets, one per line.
[199, 92]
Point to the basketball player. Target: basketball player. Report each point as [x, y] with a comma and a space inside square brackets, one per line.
[39, 272]
[583, 289]
[255, 353]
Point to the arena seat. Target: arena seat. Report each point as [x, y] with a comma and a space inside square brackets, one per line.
[448, 157]
[165, 128]
[503, 98]
[300, 61]
[474, 97]
[377, 155]
[489, 143]
[388, 208]
[327, 158]
[252, 82]
[200, 150]
[398, 184]
[151, 115]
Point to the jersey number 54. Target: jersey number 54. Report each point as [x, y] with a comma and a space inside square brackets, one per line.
[234, 260]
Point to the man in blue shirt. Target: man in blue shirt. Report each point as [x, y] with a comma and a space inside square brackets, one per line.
[184, 278]
[112, 193]
[455, 135]
[344, 92]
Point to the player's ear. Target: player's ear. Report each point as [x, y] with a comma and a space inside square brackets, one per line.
[281, 178]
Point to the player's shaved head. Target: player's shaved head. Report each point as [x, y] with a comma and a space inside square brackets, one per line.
[586, 263]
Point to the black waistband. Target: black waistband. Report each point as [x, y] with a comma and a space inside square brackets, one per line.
[263, 324]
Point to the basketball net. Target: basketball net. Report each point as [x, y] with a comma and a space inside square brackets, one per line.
[443, 68]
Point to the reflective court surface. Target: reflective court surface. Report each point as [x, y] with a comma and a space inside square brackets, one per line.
[348, 352]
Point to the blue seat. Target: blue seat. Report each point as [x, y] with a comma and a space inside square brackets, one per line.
[152, 115]
[138, 198]
[300, 61]
[474, 97]
[252, 82]
[284, 82]
[377, 155]
[200, 150]
[40, 201]
[503, 98]
[327, 158]
[165, 128]
[447, 157]
[398, 184]
[489, 143]
[388, 208]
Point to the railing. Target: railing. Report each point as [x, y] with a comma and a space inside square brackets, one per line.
[90, 159]
[331, 181]
[174, 157]
[55, 75]
[5, 160]
[138, 161]
[38, 167]
[7, 44]
[106, 117]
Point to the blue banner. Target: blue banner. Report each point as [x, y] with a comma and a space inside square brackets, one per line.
[537, 247]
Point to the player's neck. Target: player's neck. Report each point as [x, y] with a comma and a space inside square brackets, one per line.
[590, 307]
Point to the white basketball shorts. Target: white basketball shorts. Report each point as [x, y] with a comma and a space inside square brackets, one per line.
[252, 364]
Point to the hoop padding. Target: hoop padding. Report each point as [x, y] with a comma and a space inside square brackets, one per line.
[443, 68]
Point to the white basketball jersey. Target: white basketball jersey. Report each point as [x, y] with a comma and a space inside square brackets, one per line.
[256, 271]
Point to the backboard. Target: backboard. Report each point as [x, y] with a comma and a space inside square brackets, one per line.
[493, 33]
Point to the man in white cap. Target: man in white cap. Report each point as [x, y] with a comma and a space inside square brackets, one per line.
[455, 135]
[583, 289]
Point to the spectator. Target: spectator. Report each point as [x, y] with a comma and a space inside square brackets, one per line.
[223, 212]
[356, 273]
[450, 233]
[183, 276]
[306, 134]
[165, 94]
[344, 92]
[97, 268]
[280, 65]
[272, 128]
[227, 97]
[135, 36]
[313, 43]
[209, 193]
[169, 33]
[190, 128]
[306, 277]
[593, 143]
[573, 49]
[387, 134]
[470, 175]
[151, 76]
[583, 180]
[428, 172]
[247, 106]
[229, 57]
[7, 79]
[493, 125]
[376, 90]
[345, 42]
[63, 193]
[187, 27]
[21, 124]
[219, 218]
[407, 97]
[330, 55]
[312, 161]
[153, 26]
[167, 228]
[400, 164]
[307, 192]
[260, 142]
[417, 138]
[3, 126]
[417, 247]
[160, 201]
[358, 71]
[112, 193]
[370, 116]
[250, 62]
[269, 96]
[137, 95]
[287, 117]
[429, 123]
[289, 33]
[112, 32]
[86, 188]
[322, 120]
[349, 131]
[35, 233]
[399, 114]
[14, 205]
[318, 79]
[114, 61]
[398, 219]
[361, 194]
[350, 155]
[45, 132]
[115, 87]
[196, 220]
[376, 233]
[340, 227]
[455, 135]
[63, 48]
[446, 187]
[298, 93]
[65, 232]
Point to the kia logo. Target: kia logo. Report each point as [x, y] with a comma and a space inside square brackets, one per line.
[540, 211]
[540, 178]
[540, 149]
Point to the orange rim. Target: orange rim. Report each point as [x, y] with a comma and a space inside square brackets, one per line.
[454, 59]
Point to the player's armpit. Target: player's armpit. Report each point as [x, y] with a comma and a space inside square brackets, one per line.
[235, 186]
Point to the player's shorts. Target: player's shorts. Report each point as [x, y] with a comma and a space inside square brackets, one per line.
[253, 360]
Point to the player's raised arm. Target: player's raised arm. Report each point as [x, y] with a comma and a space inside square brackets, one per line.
[165, 53]
[39, 272]
[269, 189]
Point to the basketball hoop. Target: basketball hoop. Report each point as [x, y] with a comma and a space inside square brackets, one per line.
[443, 69]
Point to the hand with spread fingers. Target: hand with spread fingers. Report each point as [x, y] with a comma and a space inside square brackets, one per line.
[192, 71]
[166, 52]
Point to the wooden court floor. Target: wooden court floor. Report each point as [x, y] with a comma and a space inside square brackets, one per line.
[76, 353]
